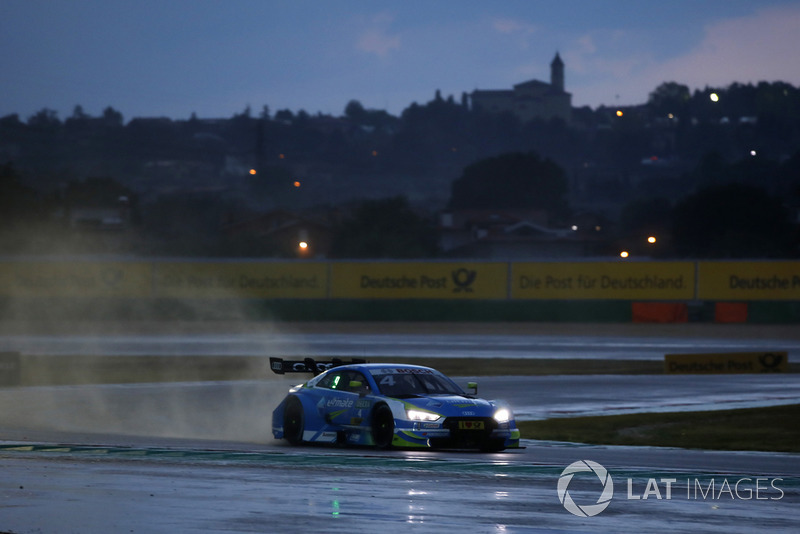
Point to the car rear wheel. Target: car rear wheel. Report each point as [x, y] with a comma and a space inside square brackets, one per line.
[293, 421]
[382, 426]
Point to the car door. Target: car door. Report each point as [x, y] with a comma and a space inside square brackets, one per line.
[342, 394]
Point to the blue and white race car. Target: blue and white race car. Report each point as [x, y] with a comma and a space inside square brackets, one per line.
[388, 405]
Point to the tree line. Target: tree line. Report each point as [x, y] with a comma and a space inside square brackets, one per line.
[183, 178]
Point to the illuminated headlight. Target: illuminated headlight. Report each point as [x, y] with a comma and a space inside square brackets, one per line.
[417, 415]
[503, 415]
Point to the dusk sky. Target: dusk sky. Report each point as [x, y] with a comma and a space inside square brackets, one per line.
[149, 58]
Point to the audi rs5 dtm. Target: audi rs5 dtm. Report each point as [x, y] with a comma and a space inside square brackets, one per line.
[388, 405]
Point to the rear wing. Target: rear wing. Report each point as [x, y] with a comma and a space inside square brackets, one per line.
[306, 365]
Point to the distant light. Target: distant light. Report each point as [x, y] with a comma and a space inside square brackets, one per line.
[303, 245]
[670, 116]
[574, 227]
[598, 228]
[619, 113]
[374, 152]
[714, 97]
[752, 152]
[623, 254]
[281, 156]
[651, 239]
[297, 184]
[252, 171]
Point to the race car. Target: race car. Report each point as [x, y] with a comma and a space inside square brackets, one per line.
[388, 405]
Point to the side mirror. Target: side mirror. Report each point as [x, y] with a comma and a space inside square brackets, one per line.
[474, 387]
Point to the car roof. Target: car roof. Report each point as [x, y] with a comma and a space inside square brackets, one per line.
[368, 366]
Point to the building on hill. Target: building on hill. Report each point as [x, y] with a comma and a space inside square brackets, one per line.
[530, 100]
[509, 234]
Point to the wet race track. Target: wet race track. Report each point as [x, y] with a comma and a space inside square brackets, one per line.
[558, 341]
[198, 457]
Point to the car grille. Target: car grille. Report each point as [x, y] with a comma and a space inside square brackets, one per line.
[460, 431]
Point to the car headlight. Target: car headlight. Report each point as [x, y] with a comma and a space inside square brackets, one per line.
[418, 415]
[503, 415]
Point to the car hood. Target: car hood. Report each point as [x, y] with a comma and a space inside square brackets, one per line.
[453, 405]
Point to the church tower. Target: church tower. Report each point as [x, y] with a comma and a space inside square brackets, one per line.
[557, 73]
[530, 100]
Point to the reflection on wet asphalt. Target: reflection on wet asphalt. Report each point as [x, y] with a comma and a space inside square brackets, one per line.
[312, 491]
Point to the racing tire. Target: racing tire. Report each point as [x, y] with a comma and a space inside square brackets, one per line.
[382, 426]
[293, 421]
[495, 445]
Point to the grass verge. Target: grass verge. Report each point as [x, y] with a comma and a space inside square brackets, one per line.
[772, 428]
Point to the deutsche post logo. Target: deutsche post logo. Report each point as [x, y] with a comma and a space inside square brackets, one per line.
[463, 280]
[770, 362]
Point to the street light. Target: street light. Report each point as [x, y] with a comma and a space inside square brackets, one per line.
[651, 239]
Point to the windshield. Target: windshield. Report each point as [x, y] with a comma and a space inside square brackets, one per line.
[412, 382]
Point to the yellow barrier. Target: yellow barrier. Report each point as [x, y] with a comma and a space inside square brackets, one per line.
[741, 362]
[773, 280]
[240, 280]
[612, 280]
[75, 279]
[603, 280]
[415, 280]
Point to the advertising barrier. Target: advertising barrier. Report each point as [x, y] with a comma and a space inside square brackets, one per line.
[604, 280]
[742, 291]
[75, 279]
[774, 280]
[738, 362]
[419, 280]
[250, 280]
